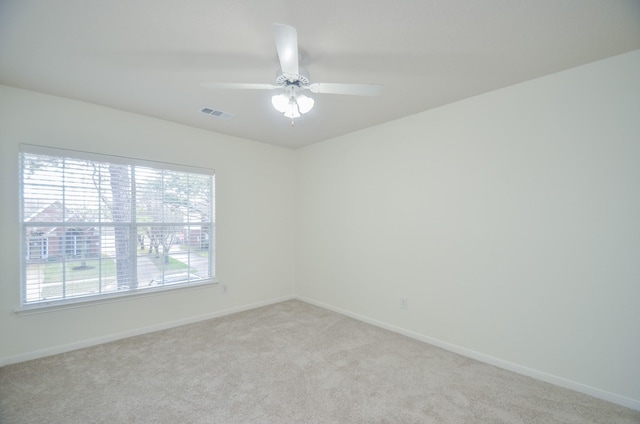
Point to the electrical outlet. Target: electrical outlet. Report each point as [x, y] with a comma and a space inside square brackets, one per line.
[404, 303]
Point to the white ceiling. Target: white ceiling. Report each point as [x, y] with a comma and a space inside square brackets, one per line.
[150, 56]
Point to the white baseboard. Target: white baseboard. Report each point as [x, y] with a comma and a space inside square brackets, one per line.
[519, 369]
[135, 332]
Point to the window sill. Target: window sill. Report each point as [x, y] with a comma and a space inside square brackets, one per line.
[88, 301]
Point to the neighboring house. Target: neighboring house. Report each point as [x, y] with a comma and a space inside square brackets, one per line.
[196, 237]
[192, 234]
[53, 239]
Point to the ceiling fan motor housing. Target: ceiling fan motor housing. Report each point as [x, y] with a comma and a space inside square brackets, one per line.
[301, 79]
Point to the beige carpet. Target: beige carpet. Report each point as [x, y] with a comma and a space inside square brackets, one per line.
[286, 363]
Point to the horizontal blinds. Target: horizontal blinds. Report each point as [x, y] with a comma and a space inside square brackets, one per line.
[93, 226]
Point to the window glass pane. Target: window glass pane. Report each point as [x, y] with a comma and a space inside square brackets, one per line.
[149, 194]
[81, 189]
[42, 201]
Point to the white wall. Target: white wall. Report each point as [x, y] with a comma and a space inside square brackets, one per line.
[255, 250]
[510, 222]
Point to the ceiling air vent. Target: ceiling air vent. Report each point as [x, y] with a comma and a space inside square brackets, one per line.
[217, 113]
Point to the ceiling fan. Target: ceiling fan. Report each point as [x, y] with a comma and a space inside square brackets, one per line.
[293, 80]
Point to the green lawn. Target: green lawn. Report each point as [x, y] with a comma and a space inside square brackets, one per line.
[53, 270]
[86, 277]
[82, 277]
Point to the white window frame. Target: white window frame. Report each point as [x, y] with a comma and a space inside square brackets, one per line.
[167, 283]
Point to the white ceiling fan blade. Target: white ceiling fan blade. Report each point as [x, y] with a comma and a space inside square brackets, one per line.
[352, 89]
[286, 39]
[238, 86]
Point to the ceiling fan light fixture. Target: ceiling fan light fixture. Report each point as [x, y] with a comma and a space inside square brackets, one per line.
[292, 106]
[292, 109]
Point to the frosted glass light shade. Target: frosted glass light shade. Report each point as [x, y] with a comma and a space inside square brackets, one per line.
[280, 102]
[304, 103]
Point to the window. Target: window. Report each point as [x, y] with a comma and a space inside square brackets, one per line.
[97, 226]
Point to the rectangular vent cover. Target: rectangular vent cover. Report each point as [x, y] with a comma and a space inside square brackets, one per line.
[217, 113]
